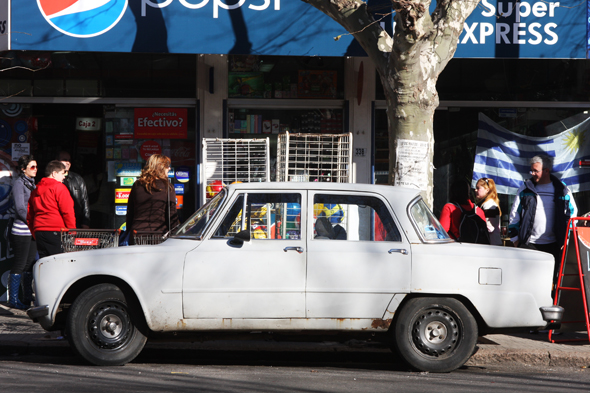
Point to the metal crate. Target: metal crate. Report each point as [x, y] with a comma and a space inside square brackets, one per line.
[148, 237]
[89, 239]
[314, 157]
[234, 160]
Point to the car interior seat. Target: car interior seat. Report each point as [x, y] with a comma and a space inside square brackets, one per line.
[339, 232]
[323, 229]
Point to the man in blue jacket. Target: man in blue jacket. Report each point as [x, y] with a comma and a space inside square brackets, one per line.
[541, 212]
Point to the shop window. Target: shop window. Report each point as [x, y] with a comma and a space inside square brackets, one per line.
[267, 122]
[283, 77]
[82, 88]
[48, 88]
[127, 147]
[89, 74]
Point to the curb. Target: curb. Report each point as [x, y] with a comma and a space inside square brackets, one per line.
[557, 358]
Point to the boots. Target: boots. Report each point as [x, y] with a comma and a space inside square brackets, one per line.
[27, 280]
[13, 287]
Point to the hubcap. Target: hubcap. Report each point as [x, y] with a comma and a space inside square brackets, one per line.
[109, 325]
[435, 332]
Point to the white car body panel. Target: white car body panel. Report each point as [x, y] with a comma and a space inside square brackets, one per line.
[159, 288]
[353, 278]
[454, 268]
[235, 288]
[190, 284]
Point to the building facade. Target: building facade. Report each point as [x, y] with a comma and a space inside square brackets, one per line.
[115, 81]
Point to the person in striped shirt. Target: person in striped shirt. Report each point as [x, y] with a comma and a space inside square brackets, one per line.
[23, 244]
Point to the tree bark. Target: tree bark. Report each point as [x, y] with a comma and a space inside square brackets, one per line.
[408, 65]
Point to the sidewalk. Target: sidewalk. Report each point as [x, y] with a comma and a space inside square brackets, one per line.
[18, 334]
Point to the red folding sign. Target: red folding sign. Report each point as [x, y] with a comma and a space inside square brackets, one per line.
[160, 123]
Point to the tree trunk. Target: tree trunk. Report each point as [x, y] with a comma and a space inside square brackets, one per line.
[409, 66]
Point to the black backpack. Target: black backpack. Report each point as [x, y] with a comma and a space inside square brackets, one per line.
[472, 229]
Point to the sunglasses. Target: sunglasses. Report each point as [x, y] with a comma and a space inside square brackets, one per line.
[32, 167]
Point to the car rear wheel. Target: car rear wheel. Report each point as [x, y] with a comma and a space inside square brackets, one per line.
[435, 334]
[101, 328]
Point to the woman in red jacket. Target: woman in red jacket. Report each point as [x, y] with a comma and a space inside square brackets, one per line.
[51, 208]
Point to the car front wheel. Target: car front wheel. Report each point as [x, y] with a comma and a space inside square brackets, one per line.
[435, 334]
[101, 329]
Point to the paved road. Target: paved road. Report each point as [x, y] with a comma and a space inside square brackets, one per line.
[279, 375]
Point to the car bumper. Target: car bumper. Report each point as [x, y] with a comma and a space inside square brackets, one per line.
[552, 315]
[38, 312]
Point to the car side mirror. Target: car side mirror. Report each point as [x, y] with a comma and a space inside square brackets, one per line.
[240, 238]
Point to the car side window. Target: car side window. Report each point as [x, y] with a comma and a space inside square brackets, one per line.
[353, 217]
[267, 215]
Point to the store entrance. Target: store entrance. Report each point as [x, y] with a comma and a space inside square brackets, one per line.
[78, 130]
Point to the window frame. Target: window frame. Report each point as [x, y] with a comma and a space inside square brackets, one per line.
[381, 198]
[246, 219]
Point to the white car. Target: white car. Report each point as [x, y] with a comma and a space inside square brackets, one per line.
[299, 257]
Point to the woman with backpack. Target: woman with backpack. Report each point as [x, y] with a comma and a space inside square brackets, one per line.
[487, 199]
[460, 212]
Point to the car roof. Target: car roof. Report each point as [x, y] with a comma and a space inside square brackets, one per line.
[325, 186]
[395, 194]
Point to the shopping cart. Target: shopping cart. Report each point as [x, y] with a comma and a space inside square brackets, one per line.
[89, 239]
[149, 237]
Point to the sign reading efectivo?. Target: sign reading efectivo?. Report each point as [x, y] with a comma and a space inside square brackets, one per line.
[160, 123]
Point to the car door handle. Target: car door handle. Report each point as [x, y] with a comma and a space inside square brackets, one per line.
[400, 250]
[298, 249]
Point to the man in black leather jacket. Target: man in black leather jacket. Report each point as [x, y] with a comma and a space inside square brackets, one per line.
[78, 191]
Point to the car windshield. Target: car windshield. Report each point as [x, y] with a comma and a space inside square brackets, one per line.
[194, 226]
[426, 223]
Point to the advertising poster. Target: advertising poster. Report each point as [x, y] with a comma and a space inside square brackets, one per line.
[148, 148]
[412, 164]
[495, 29]
[122, 195]
[160, 123]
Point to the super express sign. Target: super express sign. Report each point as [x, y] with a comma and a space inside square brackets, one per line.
[519, 29]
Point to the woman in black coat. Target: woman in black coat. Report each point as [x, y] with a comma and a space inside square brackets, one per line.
[152, 201]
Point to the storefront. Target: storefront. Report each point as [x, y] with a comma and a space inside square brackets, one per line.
[168, 76]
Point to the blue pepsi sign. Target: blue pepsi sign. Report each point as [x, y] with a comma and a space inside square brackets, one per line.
[82, 18]
[501, 29]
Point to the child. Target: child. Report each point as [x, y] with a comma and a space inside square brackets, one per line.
[487, 200]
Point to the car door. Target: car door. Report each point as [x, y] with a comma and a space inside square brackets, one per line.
[260, 278]
[358, 257]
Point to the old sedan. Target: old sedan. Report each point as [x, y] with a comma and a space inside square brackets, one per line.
[299, 257]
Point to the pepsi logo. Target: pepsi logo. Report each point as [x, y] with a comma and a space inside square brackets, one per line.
[83, 18]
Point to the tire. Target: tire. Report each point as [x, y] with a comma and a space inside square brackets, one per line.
[101, 328]
[435, 334]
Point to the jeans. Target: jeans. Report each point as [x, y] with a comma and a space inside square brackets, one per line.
[48, 243]
[25, 253]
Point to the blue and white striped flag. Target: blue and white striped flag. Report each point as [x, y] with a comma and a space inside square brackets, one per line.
[504, 156]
